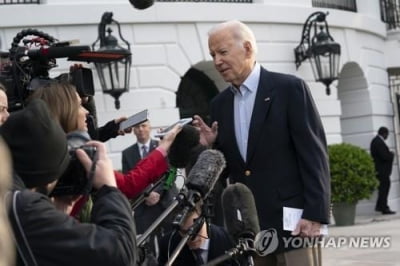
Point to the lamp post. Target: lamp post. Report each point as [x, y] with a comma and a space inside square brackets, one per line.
[113, 73]
[321, 49]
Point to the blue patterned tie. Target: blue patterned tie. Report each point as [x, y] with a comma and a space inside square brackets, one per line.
[144, 151]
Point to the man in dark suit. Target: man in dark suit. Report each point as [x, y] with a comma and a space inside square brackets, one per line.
[271, 134]
[383, 159]
[158, 199]
[208, 243]
[144, 144]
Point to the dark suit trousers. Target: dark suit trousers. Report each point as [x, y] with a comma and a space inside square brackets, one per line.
[297, 257]
[383, 192]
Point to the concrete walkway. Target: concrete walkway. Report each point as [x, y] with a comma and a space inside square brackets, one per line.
[372, 241]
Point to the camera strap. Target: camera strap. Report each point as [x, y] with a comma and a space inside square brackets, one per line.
[24, 250]
[90, 175]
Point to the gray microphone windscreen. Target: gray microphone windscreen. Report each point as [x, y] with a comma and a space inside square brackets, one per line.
[205, 172]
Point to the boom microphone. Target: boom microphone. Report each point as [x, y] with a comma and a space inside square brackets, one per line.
[200, 182]
[141, 4]
[205, 172]
[240, 212]
[55, 52]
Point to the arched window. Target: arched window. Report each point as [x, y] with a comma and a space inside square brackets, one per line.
[194, 94]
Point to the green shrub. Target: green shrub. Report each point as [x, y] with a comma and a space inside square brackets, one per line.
[352, 173]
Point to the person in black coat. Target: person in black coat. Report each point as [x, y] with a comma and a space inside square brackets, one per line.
[269, 129]
[383, 160]
[44, 235]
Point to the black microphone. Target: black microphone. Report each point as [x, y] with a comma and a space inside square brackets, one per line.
[240, 213]
[180, 152]
[55, 52]
[141, 4]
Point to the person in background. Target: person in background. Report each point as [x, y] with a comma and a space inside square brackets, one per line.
[159, 198]
[268, 127]
[144, 144]
[3, 105]
[383, 160]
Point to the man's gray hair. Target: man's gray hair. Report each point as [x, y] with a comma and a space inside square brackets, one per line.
[241, 32]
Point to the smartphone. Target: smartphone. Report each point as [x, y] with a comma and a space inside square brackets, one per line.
[134, 120]
[163, 132]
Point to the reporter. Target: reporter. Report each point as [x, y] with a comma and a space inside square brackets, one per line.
[65, 105]
[40, 155]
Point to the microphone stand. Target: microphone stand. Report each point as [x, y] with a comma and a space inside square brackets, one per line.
[191, 232]
[243, 248]
[150, 188]
[188, 197]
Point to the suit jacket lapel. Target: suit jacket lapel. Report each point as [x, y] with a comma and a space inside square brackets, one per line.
[136, 154]
[153, 145]
[262, 104]
[230, 126]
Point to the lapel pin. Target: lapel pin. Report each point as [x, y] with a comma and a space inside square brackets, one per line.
[267, 99]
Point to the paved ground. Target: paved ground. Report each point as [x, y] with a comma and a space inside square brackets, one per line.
[383, 229]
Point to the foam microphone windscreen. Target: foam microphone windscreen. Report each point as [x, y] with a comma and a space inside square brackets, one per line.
[141, 4]
[205, 172]
[180, 151]
[240, 211]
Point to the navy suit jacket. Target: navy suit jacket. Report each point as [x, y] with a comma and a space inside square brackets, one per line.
[219, 243]
[131, 155]
[287, 161]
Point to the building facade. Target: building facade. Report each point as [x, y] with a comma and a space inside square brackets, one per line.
[172, 73]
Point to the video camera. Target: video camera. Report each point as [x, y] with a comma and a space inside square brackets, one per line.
[32, 54]
[75, 180]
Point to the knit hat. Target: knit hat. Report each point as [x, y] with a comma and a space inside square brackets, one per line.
[37, 143]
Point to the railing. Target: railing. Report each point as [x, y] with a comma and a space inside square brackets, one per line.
[348, 5]
[390, 13]
[19, 2]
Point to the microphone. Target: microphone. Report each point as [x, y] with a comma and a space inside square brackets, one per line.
[180, 152]
[240, 213]
[205, 172]
[54, 52]
[200, 182]
[141, 4]
[241, 221]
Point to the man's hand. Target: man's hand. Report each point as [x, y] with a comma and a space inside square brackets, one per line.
[207, 134]
[152, 199]
[307, 228]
